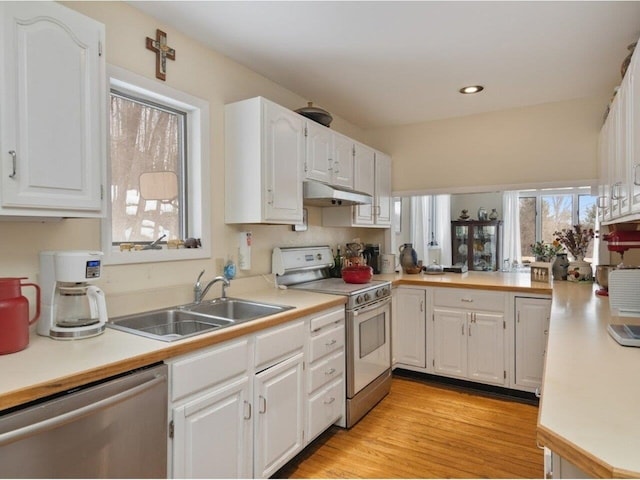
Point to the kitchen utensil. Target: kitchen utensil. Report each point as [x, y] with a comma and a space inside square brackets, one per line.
[357, 274]
[14, 315]
[316, 114]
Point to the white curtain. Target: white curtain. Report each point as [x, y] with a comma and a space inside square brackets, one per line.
[442, 226]
[511, 223]
[431, 216]
[420, 213]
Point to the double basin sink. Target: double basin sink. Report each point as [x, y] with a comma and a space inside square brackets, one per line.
[176, 323]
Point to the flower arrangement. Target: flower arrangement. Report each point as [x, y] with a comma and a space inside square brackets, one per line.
[545, 252]
[576, 240]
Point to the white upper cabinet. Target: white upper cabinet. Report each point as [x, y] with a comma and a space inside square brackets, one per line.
[329, 156]
[53, 123]
[372, 176]
[264, 151]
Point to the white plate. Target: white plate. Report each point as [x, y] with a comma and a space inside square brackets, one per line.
[462, 249]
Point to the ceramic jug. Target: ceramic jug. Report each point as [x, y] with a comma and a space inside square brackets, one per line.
[408, 257]
[14, 315]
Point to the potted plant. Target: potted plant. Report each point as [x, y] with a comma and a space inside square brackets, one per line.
[544, 252]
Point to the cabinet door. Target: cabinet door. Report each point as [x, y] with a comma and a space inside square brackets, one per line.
[409, 341]
[603, 174]
[53, 96]
[319, 147]
[450, 342]
[284, 150]
[364, 181]
[212, 437]
[278, 405]
[633, 118]
[343, 162]
[383, 189]
[486, 348]
[532, 328]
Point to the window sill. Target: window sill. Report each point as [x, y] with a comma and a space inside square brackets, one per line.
[116, 257]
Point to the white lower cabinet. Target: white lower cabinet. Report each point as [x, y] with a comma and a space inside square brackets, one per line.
[469, 342]
[531, 332]
[242, 409]
[325, 378]
[409, 333]
[278, 402]
[227, 454]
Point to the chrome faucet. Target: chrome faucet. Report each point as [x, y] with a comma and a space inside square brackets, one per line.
[199, 293]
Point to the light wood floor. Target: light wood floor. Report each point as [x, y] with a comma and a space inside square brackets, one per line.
[428, 430]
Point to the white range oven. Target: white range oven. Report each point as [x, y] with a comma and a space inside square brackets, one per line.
[368, 322]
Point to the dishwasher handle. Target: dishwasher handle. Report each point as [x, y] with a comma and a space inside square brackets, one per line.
[54, 422]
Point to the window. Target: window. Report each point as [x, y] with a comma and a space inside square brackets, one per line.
[147, 158]
[543, 212]
[158, 165]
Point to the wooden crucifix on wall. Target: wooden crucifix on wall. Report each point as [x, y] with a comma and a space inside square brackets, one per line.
[163, 51]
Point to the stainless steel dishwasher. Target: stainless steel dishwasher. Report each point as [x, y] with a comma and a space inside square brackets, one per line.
[113, 429]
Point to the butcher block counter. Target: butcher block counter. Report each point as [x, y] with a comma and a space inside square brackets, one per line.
[50, 366]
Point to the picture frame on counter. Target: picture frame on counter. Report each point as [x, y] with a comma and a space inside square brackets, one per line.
[541, 272]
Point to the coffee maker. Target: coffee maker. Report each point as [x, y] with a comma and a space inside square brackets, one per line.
[371, 255]
[71, 307]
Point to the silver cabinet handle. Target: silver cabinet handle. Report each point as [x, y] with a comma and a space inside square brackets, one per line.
[247, 407]
[332, 342]
[468, 300]
[463, 329]
[635, 174]
[13, 161]
[422, 305]
[330, 401]
[263, 404]
[331, 371]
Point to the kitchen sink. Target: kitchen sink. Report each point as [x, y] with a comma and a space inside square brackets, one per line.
[184, 321]
[168, 325]
[235, 309]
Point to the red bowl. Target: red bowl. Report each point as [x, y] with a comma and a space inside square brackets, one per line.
[357, 274]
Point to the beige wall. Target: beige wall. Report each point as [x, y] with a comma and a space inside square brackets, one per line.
[206, 74]
[544, 144]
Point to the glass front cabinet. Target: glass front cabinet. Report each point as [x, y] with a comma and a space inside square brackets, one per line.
[476, 244]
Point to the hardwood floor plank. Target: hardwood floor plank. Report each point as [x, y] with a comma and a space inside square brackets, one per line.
[428, 430]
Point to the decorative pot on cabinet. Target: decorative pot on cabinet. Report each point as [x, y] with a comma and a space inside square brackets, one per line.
[560, 267]
[580, 271]
[408, 258]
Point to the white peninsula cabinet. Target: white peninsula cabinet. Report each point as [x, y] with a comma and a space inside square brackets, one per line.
[242, 409]
[531, 332]
[469, 335]
[409, 327]
[53, 125]
[264, 153]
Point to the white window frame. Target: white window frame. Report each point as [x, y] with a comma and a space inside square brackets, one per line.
[198, 170]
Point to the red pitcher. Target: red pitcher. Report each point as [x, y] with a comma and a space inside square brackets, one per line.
[14, 315]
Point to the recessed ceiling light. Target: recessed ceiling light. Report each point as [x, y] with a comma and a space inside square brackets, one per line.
[471, 89]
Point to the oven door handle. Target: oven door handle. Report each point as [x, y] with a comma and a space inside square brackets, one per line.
[375, 306]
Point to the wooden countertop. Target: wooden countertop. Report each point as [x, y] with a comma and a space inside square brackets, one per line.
[590, 407]
[50, 366]
[500, 281]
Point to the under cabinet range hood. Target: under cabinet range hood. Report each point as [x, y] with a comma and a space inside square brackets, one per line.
[322, 195]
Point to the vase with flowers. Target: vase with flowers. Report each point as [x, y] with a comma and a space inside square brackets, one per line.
[545, 252]
[577, 240]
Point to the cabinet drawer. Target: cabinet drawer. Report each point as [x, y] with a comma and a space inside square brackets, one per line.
[330, 318]
[326, 371]
[469, 299]
[278, 343]
[325, 408]
[326, 341]
[197, 372]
